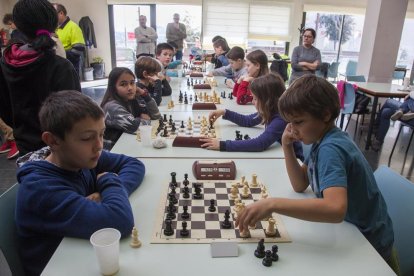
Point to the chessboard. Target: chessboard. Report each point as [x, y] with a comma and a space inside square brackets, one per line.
[192, 127]
[205, 225]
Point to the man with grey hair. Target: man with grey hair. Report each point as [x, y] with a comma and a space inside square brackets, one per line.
[146, 38]
[176, 32]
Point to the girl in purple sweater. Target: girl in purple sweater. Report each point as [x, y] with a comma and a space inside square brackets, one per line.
[266, 92]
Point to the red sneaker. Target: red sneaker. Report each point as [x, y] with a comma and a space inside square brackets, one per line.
[14, 151]
[6, 147]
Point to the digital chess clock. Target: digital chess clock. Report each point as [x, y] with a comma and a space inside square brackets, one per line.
[214, 170]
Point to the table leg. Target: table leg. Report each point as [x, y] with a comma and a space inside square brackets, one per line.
[371, 122]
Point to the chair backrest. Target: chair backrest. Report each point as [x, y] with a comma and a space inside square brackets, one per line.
[333, 70]
[8, 237]
[398, 193]
[351, 68]
[398, 75]
[349, 99]
[358, 78]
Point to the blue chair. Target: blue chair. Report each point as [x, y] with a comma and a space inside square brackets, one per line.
[8, 237]
[409, 124]
[333, 70]
[399, 74]
[350, 70]
[398, 193]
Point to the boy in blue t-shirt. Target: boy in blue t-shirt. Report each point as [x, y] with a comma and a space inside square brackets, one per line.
[71, 188]
[336, 170]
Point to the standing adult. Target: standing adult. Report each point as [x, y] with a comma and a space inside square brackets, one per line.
[305, 58]
[176, 32]
[71, 36]
[146, 38]
[31, 72]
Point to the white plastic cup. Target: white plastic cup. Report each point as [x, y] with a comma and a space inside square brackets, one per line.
[106, 244]
[406, 82]
[146, 134]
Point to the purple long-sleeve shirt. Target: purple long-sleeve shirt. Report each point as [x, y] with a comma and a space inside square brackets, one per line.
[272, 133]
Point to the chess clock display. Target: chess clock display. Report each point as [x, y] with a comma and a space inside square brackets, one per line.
[214, 170]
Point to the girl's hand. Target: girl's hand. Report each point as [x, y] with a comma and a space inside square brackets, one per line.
[210, 143]
[240, 79]
[253, 213]
[140, 91]
[214, 115]
[289, 135]
[145, 116]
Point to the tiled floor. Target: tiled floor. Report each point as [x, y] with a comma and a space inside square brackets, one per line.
[8, 168]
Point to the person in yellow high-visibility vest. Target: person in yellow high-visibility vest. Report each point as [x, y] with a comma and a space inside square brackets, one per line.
[71, 37]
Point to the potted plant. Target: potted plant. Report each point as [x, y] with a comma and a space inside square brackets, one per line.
[98, 66]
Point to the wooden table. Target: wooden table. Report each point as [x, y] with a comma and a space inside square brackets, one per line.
[378, 90]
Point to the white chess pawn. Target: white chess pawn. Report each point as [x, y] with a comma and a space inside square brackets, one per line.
[264, 193]
[270, 229]
[245, 233]
[135, 243]
[254, 183]
[245, 193]
[236, 206]
[241, 183]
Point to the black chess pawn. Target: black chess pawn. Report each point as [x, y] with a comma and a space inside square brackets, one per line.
[170, 212]
[185, 99]
[246, 137]
[185, 214]
[275, 249]
[173, 179]
[188, 82]
[184, 232]
[172, 198]
[260, 250]
[182, 124]
[173, 129]
[165, 134]
[212, 207]
[197, 190]
[185, 181]
[231, 96]
[165, 118]
[191, 98]
[267, 261]
[186, 193]
[170, 121]
[168, 231]
[224, 94]
[226, 224]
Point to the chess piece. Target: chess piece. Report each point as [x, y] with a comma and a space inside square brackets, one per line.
[171, 121]
[270, 229]
[189, 126]
[165, 118]
[135, 243]
[191, 98]
[236, 206]
[275, 256]
[184, 232]
[245, 233]
[173, 129]
[212, 207]
[234, 191]
[168, 231]
[254, 183]
[246, 137]
[241, 206]
[267, 260]
[241, 183]
[226, 224]
[245, 193]
[165, 134]
[186, 193]
[185, 181]
[182, 124]
[197, 191]
[264, 193]
[185, 214]
[260, 250]
[173, 179]
[185, 99]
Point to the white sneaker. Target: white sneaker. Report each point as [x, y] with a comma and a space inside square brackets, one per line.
[397, 115]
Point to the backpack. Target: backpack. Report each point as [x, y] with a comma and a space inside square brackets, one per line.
[280, 66]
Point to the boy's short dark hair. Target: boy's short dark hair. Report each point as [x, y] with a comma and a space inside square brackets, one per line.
[60, 8]
[148, 64]
[221, 43]
[235, 53]
[310, 94]
[8, 17]
[217, 37]
[61, 110]
[163, 46]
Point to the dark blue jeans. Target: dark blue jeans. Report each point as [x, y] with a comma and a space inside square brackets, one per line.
[383, 119]
[407, 106]
[179, 55]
